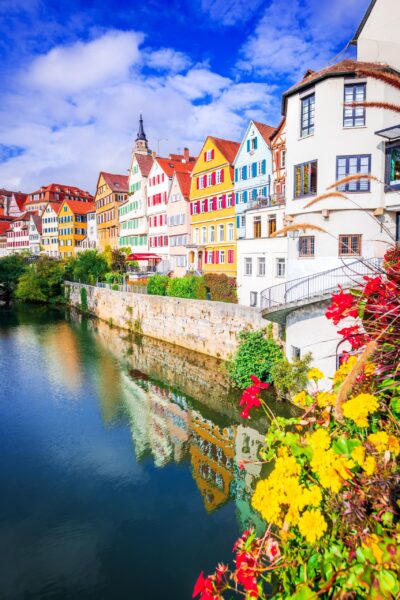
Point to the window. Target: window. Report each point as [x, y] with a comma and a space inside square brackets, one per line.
[354, 116]
[253, 298]
[353, 165]
[230, 232]
[210, 257]
[219, 176]
[211, 234]
[349, 245]
[203, 235]
[283, 159]
[242, 220]
[209, 179]
[219, 203]
[229, 201]
[196, 236]
[248, 266]
[221, 233]
[296, 353]
[393, 165]
[257, 227]
[222, 256]
[202, 206]
[209, 155]
[271, 224]
[280, 267]
[305, 179]
[307, 115]
[307, 245]
[261, 266]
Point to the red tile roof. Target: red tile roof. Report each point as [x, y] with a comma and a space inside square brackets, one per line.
[80, 208]
[55, 206]
[55, 188]
[344, 67]
[228, 148]
[145, 162]
[37, 221]
[265, 130]
[184, 180]
[20, 199]
[169, 166]
[116, 183]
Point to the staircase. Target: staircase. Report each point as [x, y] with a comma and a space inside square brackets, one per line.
[286, 297]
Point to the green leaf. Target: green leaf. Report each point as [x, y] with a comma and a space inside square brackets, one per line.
[345, 446]
[388, 581]
[395, 406]
[303, 593]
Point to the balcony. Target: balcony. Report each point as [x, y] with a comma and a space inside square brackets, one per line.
[265, 202]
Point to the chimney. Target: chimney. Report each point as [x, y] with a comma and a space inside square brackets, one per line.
[186, 155]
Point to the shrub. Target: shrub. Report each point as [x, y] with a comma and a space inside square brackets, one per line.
[187, 287]
[255, 355]
[11, 269]
[84, 303]
[221, 287]
[290, 377]
[157, 285]
[43, 281]
[113, 277]
[88, 267]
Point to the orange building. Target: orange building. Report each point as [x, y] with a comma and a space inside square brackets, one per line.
[111, 192]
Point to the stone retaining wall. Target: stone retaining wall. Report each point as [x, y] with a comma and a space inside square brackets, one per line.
[200, 325]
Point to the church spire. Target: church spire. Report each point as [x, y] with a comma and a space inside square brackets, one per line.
[141, 143]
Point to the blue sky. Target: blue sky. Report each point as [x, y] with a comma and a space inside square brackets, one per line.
[76, 74]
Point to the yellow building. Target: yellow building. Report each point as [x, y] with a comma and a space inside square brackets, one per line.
[111, 192]
[212, 209]
[72, 225]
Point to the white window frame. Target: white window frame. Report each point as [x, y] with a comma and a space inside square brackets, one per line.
[221, 233]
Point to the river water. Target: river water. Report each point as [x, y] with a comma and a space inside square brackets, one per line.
[118, 462]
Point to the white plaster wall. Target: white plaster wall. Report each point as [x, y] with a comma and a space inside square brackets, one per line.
[379, 39]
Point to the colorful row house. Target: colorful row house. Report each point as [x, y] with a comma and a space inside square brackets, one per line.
[50, 229]
[111, 192]
[72, 226]
[212, 207]
[178, 222]
[55, 192]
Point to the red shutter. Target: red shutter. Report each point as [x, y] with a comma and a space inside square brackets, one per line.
[191, 208]
[205, 157]
[224, 201]
[217, 257]
[205, 181]
[198, 207]
[206, 205]
[215, 203]
[222, 175]
[212, 154]
[212, 257]
[197, 182]
[205, 257]
[213, 178]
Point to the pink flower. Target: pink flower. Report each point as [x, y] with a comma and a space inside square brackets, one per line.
[272, 549]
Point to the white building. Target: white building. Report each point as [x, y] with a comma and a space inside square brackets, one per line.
[328, 141]
[18, 234]
[133, 213]
[178, 221]
[50, 229]
[259, 214]
[35, 233]
[90, 242]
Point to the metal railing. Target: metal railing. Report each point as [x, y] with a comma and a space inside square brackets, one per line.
[265, 202]
[134, 289]
[148, 269]
[319, 284]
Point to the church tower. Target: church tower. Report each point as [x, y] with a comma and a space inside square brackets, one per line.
[141, 143]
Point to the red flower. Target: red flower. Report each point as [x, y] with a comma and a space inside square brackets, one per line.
[246, 573]
[272, 549]
[343, 305]
[204, 587]
[354, 336]
[259, 383]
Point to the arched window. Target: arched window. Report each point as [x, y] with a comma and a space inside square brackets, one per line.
[221, 233]
[211, 234]
[230, 232]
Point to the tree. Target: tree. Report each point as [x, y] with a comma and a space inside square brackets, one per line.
[118, 261]
[11, 269]
[88, 267]
[42, 281]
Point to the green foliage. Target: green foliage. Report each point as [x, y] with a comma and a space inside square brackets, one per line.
[290, 378]
[84, 302]
[11, 269]
[221, 287]
[187, 287]
[113, 277]
[118, 261]
[43, 281]
[256, 354]
[87, 267]
[157, 285]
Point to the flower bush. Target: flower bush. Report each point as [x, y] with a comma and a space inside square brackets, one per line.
[332, 499]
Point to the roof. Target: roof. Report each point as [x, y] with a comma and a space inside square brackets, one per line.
[20, 199]
[116, 183]
[4, 227]
[344, 67]
[80, 208]
[228, 148]
[184, 180]
[181, 157]
[278, 129]
[37, 221]
[145, 162]
[265, 130]
[59, 187]
[54, 205]
[363, 22]
[169, 166]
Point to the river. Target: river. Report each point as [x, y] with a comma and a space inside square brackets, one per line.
[118, 476]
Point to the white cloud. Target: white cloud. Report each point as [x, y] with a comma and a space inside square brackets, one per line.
[72, 130]
[167, 59]
[84, 65]
[230, 12]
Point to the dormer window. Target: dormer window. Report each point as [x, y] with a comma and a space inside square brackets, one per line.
[252, 144]
[208, 155]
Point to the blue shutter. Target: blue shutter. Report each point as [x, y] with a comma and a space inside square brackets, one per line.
[245, 196]
[236, 175]
[248, 145]
[254, 169]
[255, 143]
[244, 173]
[264, 167]
[236, 198]
[264, 191]
[255, 193]
[238, 221]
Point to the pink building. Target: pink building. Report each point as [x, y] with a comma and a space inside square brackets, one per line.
[178, 222]
[18, 234]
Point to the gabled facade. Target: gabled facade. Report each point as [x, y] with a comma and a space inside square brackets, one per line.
[72, 226]
[253, 171]
[278, 149]
[50, 228]
[18, 234]
[212, 207]
[178, 222]
[35, 233]
[16, 207]
[111, 192]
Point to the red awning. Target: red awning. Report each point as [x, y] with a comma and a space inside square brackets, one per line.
[143, 257]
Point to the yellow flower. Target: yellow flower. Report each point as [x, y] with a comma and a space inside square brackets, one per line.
[382, 442]
[301, 399]
[325, 399]
[369, 465]
[394, 445]
[369, 370]
[315, 374]
[359, 408]
[344, 369]
[320, 439]
[311, 496]
[358, 455]
[372, 543]
[312, 525]
[330, 468]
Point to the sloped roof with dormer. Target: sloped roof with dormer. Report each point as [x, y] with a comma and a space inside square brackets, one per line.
[227, 147]
[116, 183]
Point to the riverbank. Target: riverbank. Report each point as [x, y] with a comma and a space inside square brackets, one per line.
[206, 327]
